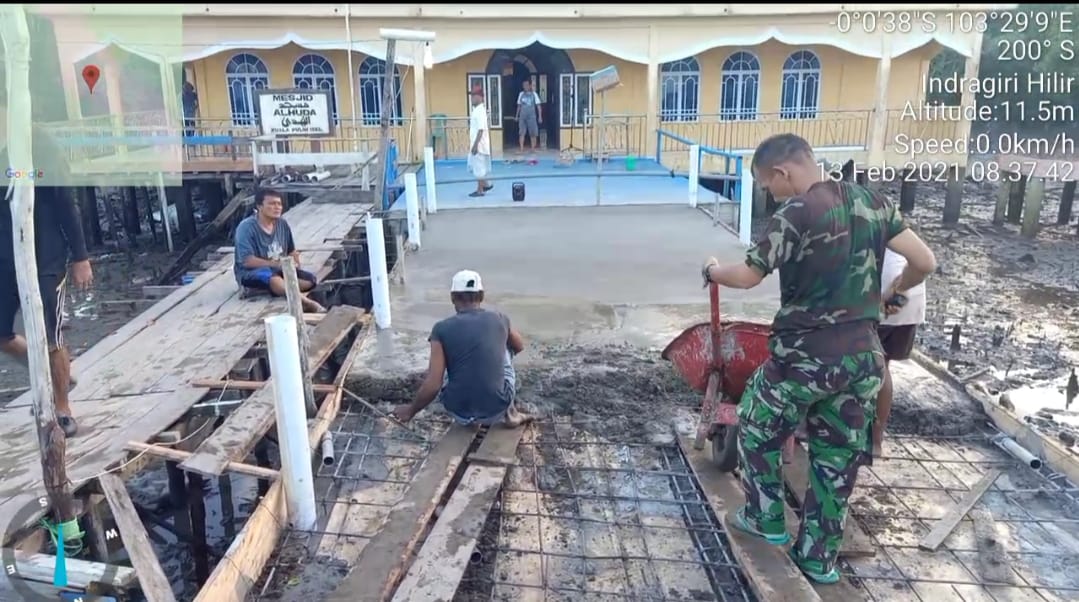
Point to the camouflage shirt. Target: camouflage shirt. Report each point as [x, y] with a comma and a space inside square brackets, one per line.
[828, 246]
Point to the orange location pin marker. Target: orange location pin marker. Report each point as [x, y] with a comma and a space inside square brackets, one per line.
[90, 75]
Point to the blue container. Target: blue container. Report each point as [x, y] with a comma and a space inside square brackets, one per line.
[187, 279]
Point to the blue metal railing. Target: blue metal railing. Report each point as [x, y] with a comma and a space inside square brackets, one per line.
[730, 159]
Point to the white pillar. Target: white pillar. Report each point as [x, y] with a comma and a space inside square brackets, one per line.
[878, 128]
[419, 95]
[164, 200]
[412, 209]
[745, 208]
[694, 173]
[429, 196]
[292, 440]
[380, 280]
[652, 118]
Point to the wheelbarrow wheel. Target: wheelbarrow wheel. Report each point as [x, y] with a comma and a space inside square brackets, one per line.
[725, 447]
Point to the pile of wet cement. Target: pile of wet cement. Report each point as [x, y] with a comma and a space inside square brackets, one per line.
[619, 392]
[623, 393]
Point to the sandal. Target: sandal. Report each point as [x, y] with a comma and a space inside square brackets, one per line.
[476, 194]
[740, 522]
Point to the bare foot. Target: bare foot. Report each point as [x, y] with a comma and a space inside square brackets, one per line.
[516, 419]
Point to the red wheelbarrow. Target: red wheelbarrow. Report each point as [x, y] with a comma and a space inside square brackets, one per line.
[717, 358]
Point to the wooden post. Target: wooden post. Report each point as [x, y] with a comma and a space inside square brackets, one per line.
[295, 307]
[1067, 198]
[908, 191]
[387, 113]
[1004, 194]
[1015, 201]
[953, 196]
[1032, 209]
[51, 440]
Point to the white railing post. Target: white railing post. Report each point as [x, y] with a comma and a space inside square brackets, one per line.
[431, 200]
[292, 440]
[745, 207]
[412, 209]
[380, 280]
[694, 173]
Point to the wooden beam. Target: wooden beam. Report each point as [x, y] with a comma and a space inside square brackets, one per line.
[944, 527]
[52, 444]
[155, 586]
[250, 421]
[80, 573]
[178, 455]
[295, 307]
[441, 563]
[208, 232]
[249, 385]
[242, 564]
[384, 559]
[770, 572]
[856, 543]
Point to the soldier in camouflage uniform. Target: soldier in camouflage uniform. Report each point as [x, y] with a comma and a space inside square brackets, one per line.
[826, 364]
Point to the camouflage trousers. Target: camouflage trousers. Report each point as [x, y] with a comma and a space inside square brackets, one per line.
[838, 402]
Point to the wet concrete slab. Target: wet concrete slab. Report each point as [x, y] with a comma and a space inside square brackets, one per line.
[588, 275]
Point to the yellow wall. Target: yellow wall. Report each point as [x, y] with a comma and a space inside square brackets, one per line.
[847, 94]
[214, 98]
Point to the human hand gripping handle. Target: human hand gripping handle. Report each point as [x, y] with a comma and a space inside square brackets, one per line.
[706, 271]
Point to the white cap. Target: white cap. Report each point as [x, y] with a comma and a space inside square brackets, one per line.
[466, 281]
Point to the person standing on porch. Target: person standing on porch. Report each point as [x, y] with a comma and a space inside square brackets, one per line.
[529, 117]
[479, 157]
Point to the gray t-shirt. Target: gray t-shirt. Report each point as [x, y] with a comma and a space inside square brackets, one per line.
[474, 342]
[251, 239]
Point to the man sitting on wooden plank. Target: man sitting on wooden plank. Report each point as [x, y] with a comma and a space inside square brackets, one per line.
[471, 365]
[827, 241]
[262, 241]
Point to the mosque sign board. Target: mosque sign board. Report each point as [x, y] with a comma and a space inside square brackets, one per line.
[295, 113]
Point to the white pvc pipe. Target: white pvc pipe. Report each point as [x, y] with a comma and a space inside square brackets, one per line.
[295, 449]
[328, 457]
[694, 173]
[412, 209]
[316, 176]
[380, 280]
[429, 180]
[406, 35]
[745, 208]
[1019, 452]
[164, 200]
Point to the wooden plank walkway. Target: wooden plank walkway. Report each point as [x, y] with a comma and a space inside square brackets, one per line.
[137, 382]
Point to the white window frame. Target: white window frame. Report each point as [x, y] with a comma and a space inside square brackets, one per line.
[305, 77]
[680, 72]
[740, 68]
[797, 74]
[491, 84]
[570, 83]
[369, 74]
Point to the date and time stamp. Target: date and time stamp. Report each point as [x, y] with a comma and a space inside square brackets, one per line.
[1019, 92]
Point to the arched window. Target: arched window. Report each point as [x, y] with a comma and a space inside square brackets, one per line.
[314, 72]
[680, 90]
[740, 88]
[372, 78]
[245, 74]
[800, 97]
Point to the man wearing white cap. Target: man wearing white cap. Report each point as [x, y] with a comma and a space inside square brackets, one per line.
[896, 332]
[471, 370]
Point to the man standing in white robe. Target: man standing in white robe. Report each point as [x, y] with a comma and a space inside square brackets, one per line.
[479, 158]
